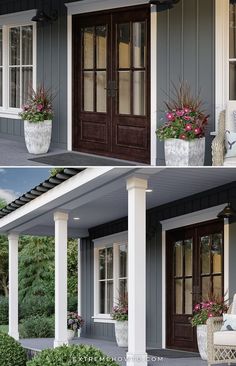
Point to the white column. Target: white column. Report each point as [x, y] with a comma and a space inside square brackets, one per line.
[13, 286]
[137, 355]
[79, 282]
[60, 219]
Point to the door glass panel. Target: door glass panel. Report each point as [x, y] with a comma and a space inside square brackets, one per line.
[124, 45]
[139, 44]
[206, 287]
[139, 90]
[179, 296]
[188, 296]
[205, 253]
[179, 259]
[124, 92]
[110, 263]
[188, 257]
[89, 48]
[101, 44]
[216, 248]
[217, 286]
[88, 91]
[232, 33]
[232, 80]
[101, 91]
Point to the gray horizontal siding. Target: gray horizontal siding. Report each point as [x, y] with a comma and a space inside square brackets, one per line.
[187, 205]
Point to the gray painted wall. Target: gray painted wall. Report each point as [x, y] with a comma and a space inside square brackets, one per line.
[185, 51]
[232, 257]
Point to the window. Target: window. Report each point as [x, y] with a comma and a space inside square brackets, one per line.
[110, 276]
[17, 61]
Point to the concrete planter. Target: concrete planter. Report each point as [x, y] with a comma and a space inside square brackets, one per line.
[185, 153]
[38, 136]
[70, 334]
[202, 341]
[121, 331]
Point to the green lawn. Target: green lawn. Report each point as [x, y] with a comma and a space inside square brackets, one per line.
[4, 328]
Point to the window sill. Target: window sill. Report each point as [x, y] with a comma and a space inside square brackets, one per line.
[10, 114]
[102, 318]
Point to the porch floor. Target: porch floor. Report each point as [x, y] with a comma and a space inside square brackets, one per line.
[14, 153]
[111, 349]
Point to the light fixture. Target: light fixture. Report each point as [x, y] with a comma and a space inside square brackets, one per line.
[76, 218]
[227, 212]
[163, 5]
[42, 17]
[149, 190]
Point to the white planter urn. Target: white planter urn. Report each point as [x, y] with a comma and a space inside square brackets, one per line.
[202, 341]
[185, 153]
[38, 136]
[121, 332]
[70, 334]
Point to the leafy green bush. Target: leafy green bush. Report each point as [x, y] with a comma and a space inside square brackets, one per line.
[37, 327]
[72, 355]
[36, 305]
[72, 303]
[11, 352]
[3, 310]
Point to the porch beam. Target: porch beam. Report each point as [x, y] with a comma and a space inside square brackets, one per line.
[13, 240]
[61, 237]
[137, 355]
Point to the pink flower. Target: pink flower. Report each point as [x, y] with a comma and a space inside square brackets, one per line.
[188, 127]
[187, 118]
[182, 136]
[187, 110]
[170, 116]
[210, 315]
[39, 107]
[180, 113]
[197, 307]
[197, 130]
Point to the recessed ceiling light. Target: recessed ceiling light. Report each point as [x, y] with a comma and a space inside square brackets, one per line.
[149, 190]
[76, 218]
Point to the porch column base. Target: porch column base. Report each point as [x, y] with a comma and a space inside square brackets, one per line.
[60, 343]
[136, 359]
[14, 335]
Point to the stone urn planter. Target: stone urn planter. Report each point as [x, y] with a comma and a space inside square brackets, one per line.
[202, 341]
[38, 136]
[185, 153]
[121, 332]
[70, 334]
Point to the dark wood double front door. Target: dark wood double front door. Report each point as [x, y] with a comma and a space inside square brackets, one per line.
[194, 270]
[111, 84]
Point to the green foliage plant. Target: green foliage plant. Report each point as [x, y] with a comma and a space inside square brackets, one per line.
[3, 310]
[37, 327]
[72, 356]
[11, 352]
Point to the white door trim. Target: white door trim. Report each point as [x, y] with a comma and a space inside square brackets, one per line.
[185, 220]
[88, 6]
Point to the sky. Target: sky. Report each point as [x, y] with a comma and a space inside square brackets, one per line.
[16, 181]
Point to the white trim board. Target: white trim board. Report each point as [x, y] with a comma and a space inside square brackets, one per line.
[88, 6]
[105, 241]
[192, 218]
[18, 18]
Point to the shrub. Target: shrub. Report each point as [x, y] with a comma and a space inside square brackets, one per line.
[3, 310]
[36, 305]
[70, 355]
[72, 303]
[37, 327]
[11, 352]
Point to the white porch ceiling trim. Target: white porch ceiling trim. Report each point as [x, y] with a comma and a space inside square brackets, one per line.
[192, 218]
[88, 6]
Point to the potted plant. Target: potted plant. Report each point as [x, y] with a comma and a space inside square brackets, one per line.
[212, 307]
[120, 315]
[37, 114]
[74, 323]
[184, 129]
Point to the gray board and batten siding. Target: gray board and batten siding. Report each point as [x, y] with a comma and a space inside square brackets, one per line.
[185, 51]
[201, 201]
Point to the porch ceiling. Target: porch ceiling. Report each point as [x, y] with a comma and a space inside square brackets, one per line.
[100, 198]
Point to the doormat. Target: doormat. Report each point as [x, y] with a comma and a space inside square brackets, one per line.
[77, 159]
[168, 353]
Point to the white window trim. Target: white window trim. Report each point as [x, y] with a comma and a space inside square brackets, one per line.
[109, 241]
[185, 220]
[6, 22]
[88, 6]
